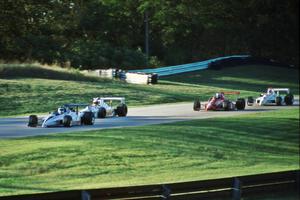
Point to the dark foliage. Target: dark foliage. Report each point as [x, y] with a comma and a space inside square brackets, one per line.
[109, 33]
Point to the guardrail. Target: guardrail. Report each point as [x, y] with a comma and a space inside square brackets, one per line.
[150, 76]
[166, 71]
[225, 188]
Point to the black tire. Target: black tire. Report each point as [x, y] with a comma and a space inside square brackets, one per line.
[240, 104]
[197, 105]
[67, 121]
[88, 118]
[225, 105]
[278, 101]
[289, 99]
[101, 113]
[250, 101]
[33, 121]
[122, 110]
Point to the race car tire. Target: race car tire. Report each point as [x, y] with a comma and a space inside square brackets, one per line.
[250, 101]
[226, 105]
[240, 104]
[33, 121]
[122, 110]
[231, 106]
[101, 113]
[67, 121]
[88, 118]
[288, 99]
[197, 105]
[278, 101]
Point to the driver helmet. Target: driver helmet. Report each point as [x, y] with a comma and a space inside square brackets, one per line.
[218, 95]
[96, 101]
[61, 110]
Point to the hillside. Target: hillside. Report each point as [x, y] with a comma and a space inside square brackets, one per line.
[36, 89]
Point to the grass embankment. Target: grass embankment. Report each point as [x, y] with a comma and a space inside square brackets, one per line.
[184, 151]
[34, 89]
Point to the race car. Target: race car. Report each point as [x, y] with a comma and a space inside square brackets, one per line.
[219, 103]
[273, 96]
[67, 115]
[107, 106]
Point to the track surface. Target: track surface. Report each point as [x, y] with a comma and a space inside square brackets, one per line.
[156, 114]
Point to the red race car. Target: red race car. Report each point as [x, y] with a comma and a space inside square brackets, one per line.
[220, 103]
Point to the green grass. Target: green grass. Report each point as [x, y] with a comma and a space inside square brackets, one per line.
[184, 151]
[255, 78]
[42, 71]
[26, 89]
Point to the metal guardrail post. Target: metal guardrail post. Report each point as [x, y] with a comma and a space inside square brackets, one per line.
[237, 189]
[298, 181]
[166, 192]
[85, 195]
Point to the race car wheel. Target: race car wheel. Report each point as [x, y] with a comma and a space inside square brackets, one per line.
[122, 110]
[67, 121]
[278, 101]
[250, 101]
[88, 118]
[288, 99]
[197, 105]
[231, 106]
[33, 121]
[101, 113]
[240, 104]
[226, 105]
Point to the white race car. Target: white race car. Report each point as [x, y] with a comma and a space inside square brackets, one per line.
[274, 96]
[107, 106]
[67, 115]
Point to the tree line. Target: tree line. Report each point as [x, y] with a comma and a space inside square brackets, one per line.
[89, 34]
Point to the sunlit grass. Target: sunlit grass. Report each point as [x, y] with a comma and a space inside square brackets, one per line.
[49, 88]
[184, 151]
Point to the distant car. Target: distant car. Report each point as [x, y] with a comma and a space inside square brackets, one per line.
[219, 103]
[107, 106]
[67, 115]
[273, 96]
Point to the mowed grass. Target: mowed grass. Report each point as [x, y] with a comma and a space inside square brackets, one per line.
[255, 78]
[183, 151]
[35, 89]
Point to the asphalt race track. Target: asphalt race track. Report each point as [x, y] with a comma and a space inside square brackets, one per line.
[155, 114]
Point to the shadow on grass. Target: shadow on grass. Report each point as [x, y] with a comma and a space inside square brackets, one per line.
[278, 77]
[34, 71]
[17, 188]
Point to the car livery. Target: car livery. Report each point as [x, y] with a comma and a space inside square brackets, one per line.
[273, 96]
[107, 107]
[67, 115]
[219, 103]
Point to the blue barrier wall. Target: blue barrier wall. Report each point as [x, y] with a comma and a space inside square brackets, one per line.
[177, 69]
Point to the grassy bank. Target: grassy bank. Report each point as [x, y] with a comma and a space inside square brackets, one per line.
[192, 150]
[255, 78]
[33, 89]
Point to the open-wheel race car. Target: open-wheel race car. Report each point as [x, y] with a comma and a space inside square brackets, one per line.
[108, 106]
[219, 103]
[67, 115]
[273, 96]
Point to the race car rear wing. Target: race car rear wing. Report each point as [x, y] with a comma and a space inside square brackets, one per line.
[76, 105]
[113, 98]
[231, 92]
